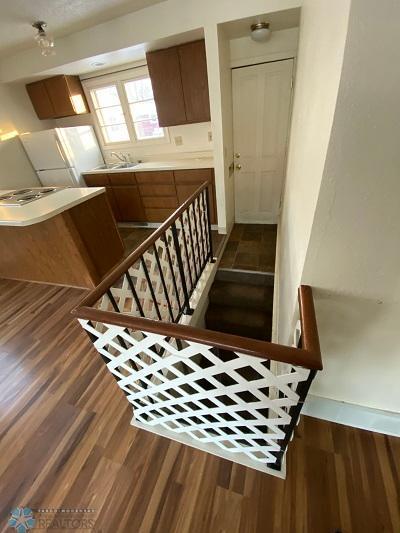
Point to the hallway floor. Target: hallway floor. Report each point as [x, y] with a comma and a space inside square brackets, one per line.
[251, 247]
[66, 442]
[134, 236]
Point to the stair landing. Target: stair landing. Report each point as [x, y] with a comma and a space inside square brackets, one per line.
[251, 247]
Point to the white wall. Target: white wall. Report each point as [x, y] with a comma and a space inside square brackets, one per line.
[195, 141]
[16, 115]
[323, 30]
[281, 45]
[353, 257]
[226, 124]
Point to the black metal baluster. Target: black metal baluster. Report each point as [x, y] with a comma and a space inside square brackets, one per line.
[197, 237]
[122, 341]
[192, 242]
[112, 300]
[173, 277]
[171, 314]
[146, 273]
[188, 309]
[187, 255]
[201, 234]
[204, 223]
[133, 290]
[294, 413]
[207, 194]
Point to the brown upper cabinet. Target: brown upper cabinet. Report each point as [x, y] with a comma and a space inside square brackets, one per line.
[60, 96]
[180, 85]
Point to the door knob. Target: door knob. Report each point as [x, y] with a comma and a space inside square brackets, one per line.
[237, 155]
[238, 167]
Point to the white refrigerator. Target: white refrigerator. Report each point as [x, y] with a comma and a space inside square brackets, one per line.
[59, 156]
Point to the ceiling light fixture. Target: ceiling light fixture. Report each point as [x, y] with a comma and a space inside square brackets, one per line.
[43, 39]
[260, 32]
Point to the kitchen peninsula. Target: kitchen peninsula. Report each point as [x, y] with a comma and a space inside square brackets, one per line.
[62, 236]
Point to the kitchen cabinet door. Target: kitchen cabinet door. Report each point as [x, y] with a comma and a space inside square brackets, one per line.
[122, 178]
[186, 190]
[193, 65]
[158, 214]
[113, 203]
[58, 92]
[188, 181]
[165, 75]
[96, 180]
[56, 97]
[40, 100]
[129, 204]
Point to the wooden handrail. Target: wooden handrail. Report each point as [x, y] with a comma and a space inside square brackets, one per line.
[309, 329]
[91, 298]
[309, 356]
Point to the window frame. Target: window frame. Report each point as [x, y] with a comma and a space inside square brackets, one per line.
[119, 79]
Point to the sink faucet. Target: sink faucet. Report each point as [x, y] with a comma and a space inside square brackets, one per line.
[121, 157]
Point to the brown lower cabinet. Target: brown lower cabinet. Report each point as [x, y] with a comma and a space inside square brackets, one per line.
[187, 181]
[129, 204]
[152, 196]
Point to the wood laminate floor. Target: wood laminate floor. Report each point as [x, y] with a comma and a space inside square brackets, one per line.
[66, 442]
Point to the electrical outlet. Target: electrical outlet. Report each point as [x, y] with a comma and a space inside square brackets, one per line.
[178, 140]
[210, 136]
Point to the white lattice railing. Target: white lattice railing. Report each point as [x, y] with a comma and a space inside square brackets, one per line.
[234, 397]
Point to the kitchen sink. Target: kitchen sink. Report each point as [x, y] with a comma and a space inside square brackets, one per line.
[107, 166]
[125, 165]
[115, 166]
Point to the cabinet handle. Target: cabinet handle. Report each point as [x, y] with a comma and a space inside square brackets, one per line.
[238, 167]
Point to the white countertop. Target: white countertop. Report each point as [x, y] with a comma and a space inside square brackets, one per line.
[47, 207]
[178, 164]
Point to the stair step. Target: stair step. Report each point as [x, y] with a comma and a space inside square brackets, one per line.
[242, 321]
[242, 295]
[251, 278]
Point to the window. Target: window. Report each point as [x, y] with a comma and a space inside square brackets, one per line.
[143, 109]
[109, 114]
[124, 109]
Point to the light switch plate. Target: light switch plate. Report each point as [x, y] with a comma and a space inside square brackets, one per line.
[178, 140]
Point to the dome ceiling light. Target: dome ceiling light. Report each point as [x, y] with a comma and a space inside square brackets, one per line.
[260, 32]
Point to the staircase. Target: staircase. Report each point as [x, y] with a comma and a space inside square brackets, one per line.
[241, 303]
[236, 396]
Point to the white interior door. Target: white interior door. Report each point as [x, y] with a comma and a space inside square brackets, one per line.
[261, 112]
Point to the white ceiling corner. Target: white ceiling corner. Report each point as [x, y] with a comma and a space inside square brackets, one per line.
[62, 16]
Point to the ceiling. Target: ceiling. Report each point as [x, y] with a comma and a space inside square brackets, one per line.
[62, 16]
[128, 57]
[278, 20]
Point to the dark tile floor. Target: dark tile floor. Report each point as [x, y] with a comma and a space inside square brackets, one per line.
[251, 247]
[132, 237]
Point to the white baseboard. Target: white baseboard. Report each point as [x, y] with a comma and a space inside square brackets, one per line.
[353, 415]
